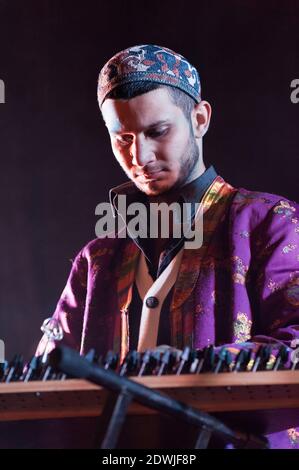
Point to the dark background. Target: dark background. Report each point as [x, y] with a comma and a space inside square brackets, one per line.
[56, 162]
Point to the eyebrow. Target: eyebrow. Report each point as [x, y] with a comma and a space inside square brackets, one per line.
[151, 126]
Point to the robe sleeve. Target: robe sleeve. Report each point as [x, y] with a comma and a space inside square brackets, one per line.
[274, 278]
[277, 275]
[70, 308]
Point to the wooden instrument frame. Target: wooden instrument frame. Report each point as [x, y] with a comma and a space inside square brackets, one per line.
[214, 393]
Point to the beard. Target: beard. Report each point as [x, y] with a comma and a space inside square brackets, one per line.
[187, 162]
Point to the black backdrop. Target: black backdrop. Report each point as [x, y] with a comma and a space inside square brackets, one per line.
[56, 162]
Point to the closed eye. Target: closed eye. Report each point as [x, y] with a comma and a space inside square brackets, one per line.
[154, 133]
[124, 139]
[151, 133]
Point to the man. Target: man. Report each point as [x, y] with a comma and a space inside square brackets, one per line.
[240, 285]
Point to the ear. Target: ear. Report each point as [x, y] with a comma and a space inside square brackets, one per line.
[201, 116]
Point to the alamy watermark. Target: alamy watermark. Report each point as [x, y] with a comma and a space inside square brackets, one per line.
[2, 92]
[2, 351]
[295, 93]
[155, 220]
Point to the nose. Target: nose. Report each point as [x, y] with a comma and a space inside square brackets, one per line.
[141, 152]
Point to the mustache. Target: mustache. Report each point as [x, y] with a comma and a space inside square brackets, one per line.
[148, 171]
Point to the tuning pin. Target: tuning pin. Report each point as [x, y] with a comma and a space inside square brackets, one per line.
[209, 358]
[3, 370]
[246, 361]
[257, 359]
[164, 362]
[200, 361]
[59, 376]
[154, 363]
[281, 357]
[47, 373]
[194, 364]
[192, 357]
[183, 359]
[241, 360]
[228, 363]
[261, 358]
[15, 369]
[111, 360]
[266, 354]
[130, 363]
[91, 356]
[167, 362]
[133, 363]
[221, 360]
[31, 369]
[144, 362]
[124, 365]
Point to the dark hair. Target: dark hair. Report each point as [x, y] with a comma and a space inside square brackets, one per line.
[130, 90]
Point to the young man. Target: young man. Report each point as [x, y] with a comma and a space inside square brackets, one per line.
[240, 285]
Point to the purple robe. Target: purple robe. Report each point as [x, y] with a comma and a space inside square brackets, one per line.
[241, 285]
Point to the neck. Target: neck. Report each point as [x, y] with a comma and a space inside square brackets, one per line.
[172, 194]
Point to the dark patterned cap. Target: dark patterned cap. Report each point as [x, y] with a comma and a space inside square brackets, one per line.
[152, 64]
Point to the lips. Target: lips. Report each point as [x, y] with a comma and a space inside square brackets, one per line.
[150, 174]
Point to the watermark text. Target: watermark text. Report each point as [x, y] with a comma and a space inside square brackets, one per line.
[153, 220]
[295, 93]
[2, 351]
[2, 92]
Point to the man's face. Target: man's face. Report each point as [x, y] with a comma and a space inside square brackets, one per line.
[152, 141]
